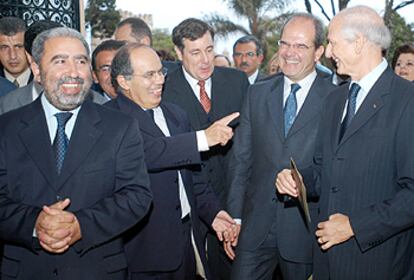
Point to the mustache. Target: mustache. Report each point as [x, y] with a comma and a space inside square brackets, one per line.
[244, 64]
[65, 80]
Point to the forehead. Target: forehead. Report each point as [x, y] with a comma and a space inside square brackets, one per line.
[64, 46]
[105, 56]
[246, 46]
[145, 59]
[406, 56]
[17, 38]
[123, 33]
[203, 42]
[300, 30]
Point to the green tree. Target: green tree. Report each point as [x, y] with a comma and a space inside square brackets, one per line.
[264, 19]
[102, 17]
[401, 33]
[161, 40]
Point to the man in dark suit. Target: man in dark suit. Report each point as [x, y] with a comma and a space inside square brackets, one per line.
[161, 245]
[364, 159]
[72, 173]
[273, 229]
[12, 55]
[248, 56]
[206, 93]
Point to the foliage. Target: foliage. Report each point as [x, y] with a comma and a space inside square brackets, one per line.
[401, 33]
[102, 17]
[161, 40]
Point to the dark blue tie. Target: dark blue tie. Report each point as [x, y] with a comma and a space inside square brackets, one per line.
[150, 113]
[60, 144]
[350, 109]
[291, 107]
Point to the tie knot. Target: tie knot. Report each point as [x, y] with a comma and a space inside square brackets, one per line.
[294, 88]
[62, 118]
[201, 83]
[353, 91]
[16, 83]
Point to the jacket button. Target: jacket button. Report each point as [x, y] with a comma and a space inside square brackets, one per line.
[55, 272]
[334, 189]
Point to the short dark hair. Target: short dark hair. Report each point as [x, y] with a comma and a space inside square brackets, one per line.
[107, 45]
[35, 29]
[139, 28]
[406, 48]
[191, 29]
[9, 26]
[317, 24]
[122, 65]
[247, 39]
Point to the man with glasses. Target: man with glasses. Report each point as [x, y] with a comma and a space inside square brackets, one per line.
[279, 121]
[248, 56]
[167, 244]
[101, 64]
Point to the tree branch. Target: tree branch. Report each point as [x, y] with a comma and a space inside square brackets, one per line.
[403, 4]
[322, 10]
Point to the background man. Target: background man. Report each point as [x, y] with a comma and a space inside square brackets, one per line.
[279, 121]
[12, 56]
[101, 65]
[222, 60]
[364, 160]
[248, 56]
[72, 174]
[206, 94]
[182, 199]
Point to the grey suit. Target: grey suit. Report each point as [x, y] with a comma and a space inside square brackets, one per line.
[23, 96]
[272, 227]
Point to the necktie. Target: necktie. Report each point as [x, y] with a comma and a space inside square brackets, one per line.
[350, 109]
[291, 107]
[60, 144]
[150, 113]
[16, 83]
[204, 99]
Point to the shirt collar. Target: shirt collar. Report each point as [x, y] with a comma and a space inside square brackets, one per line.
[51, 110]
[368, 81]
[22, 79]
[252, 77]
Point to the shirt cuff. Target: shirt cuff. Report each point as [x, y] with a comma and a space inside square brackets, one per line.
[238, 221]
[202, 143]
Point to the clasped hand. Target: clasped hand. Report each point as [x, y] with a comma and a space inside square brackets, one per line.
[56, 228]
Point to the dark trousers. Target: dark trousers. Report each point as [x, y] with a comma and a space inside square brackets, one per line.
[260, 264]
[187, 269]
[218, 262]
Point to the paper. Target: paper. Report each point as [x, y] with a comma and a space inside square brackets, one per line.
[301, 191]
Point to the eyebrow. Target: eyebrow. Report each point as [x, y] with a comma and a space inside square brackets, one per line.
[65, 56]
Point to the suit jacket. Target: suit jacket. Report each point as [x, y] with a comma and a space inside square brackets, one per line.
[156, 243]
[369, 176]
[5, 86]
[23, 96]
[260, 76]
[260, 151]
[103, 174]
[228, 89]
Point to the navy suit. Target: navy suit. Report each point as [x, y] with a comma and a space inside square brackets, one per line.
[369, 176]
[260, 151]
[155, 244]
[103, 174]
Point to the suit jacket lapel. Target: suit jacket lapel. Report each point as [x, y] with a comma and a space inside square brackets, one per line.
[35, 137]
[275, 106]
[310, 107]
[371, 105]
[83, 139]
[172, 122]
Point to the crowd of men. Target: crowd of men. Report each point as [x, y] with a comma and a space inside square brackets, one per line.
[121, 165]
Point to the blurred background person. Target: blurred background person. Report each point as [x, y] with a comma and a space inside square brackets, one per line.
[248, 56]
[273, 64]
[403, 61]
[12, 56]
[222, 60]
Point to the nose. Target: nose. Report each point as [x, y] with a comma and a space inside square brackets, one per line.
[13, 53]
[73, 69]
[204, 57]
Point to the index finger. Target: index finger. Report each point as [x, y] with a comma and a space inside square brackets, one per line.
[227, 119]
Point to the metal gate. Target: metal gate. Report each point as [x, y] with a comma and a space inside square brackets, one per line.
[66, 12]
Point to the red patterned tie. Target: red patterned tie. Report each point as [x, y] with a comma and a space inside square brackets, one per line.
[204, 99]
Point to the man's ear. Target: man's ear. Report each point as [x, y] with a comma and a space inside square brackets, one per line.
[95, 78]
[319, 52]
[145, 41]
[123, 83]
[179, 53]
[36, 71]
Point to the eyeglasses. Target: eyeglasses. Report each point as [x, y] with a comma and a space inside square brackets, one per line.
[297, 46]
[249, 54]
[151, 75]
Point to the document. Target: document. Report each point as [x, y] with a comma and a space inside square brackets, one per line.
[301, 191]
